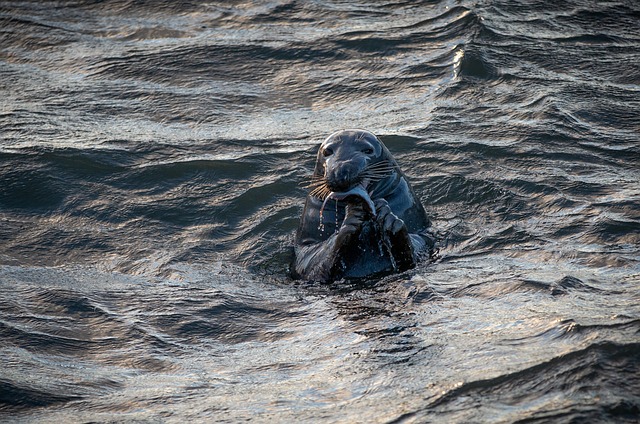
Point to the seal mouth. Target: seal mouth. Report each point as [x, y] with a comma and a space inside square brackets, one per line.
[357, 191]
[370, 175]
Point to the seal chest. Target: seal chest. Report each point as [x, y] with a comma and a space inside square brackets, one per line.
[378, 225]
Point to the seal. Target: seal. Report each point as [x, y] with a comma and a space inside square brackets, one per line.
[361, 217]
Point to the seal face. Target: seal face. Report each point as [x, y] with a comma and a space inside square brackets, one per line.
[361, 218]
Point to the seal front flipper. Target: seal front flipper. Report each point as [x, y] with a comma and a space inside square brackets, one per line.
[396, 237]
[323, 261]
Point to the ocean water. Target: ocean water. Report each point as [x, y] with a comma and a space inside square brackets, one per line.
[153, 158]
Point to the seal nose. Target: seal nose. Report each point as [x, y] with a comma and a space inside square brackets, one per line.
[342, 183]
[342, 176]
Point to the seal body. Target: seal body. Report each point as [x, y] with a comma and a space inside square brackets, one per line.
[361, 218]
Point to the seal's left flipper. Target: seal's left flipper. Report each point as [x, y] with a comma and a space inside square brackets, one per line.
[322, 261]
[394, 231]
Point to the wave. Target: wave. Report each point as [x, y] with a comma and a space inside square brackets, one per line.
[536, 389]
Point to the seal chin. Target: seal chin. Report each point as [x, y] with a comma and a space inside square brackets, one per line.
[358, 191]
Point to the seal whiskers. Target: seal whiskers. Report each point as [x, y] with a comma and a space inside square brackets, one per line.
[378, 171]
[371, 173]
[319, 188]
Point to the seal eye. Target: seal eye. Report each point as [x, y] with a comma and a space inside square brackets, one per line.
[367, 151]
[327, 152]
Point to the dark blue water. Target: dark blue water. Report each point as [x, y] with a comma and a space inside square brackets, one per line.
[153, 158]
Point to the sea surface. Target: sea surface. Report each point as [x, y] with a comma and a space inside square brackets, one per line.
[153, 163]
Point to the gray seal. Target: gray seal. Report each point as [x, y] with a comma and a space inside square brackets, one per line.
[361, 217]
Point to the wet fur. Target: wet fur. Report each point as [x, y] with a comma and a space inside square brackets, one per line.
[344, 239]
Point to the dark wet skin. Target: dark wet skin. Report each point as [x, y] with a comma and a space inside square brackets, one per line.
[339, 235]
